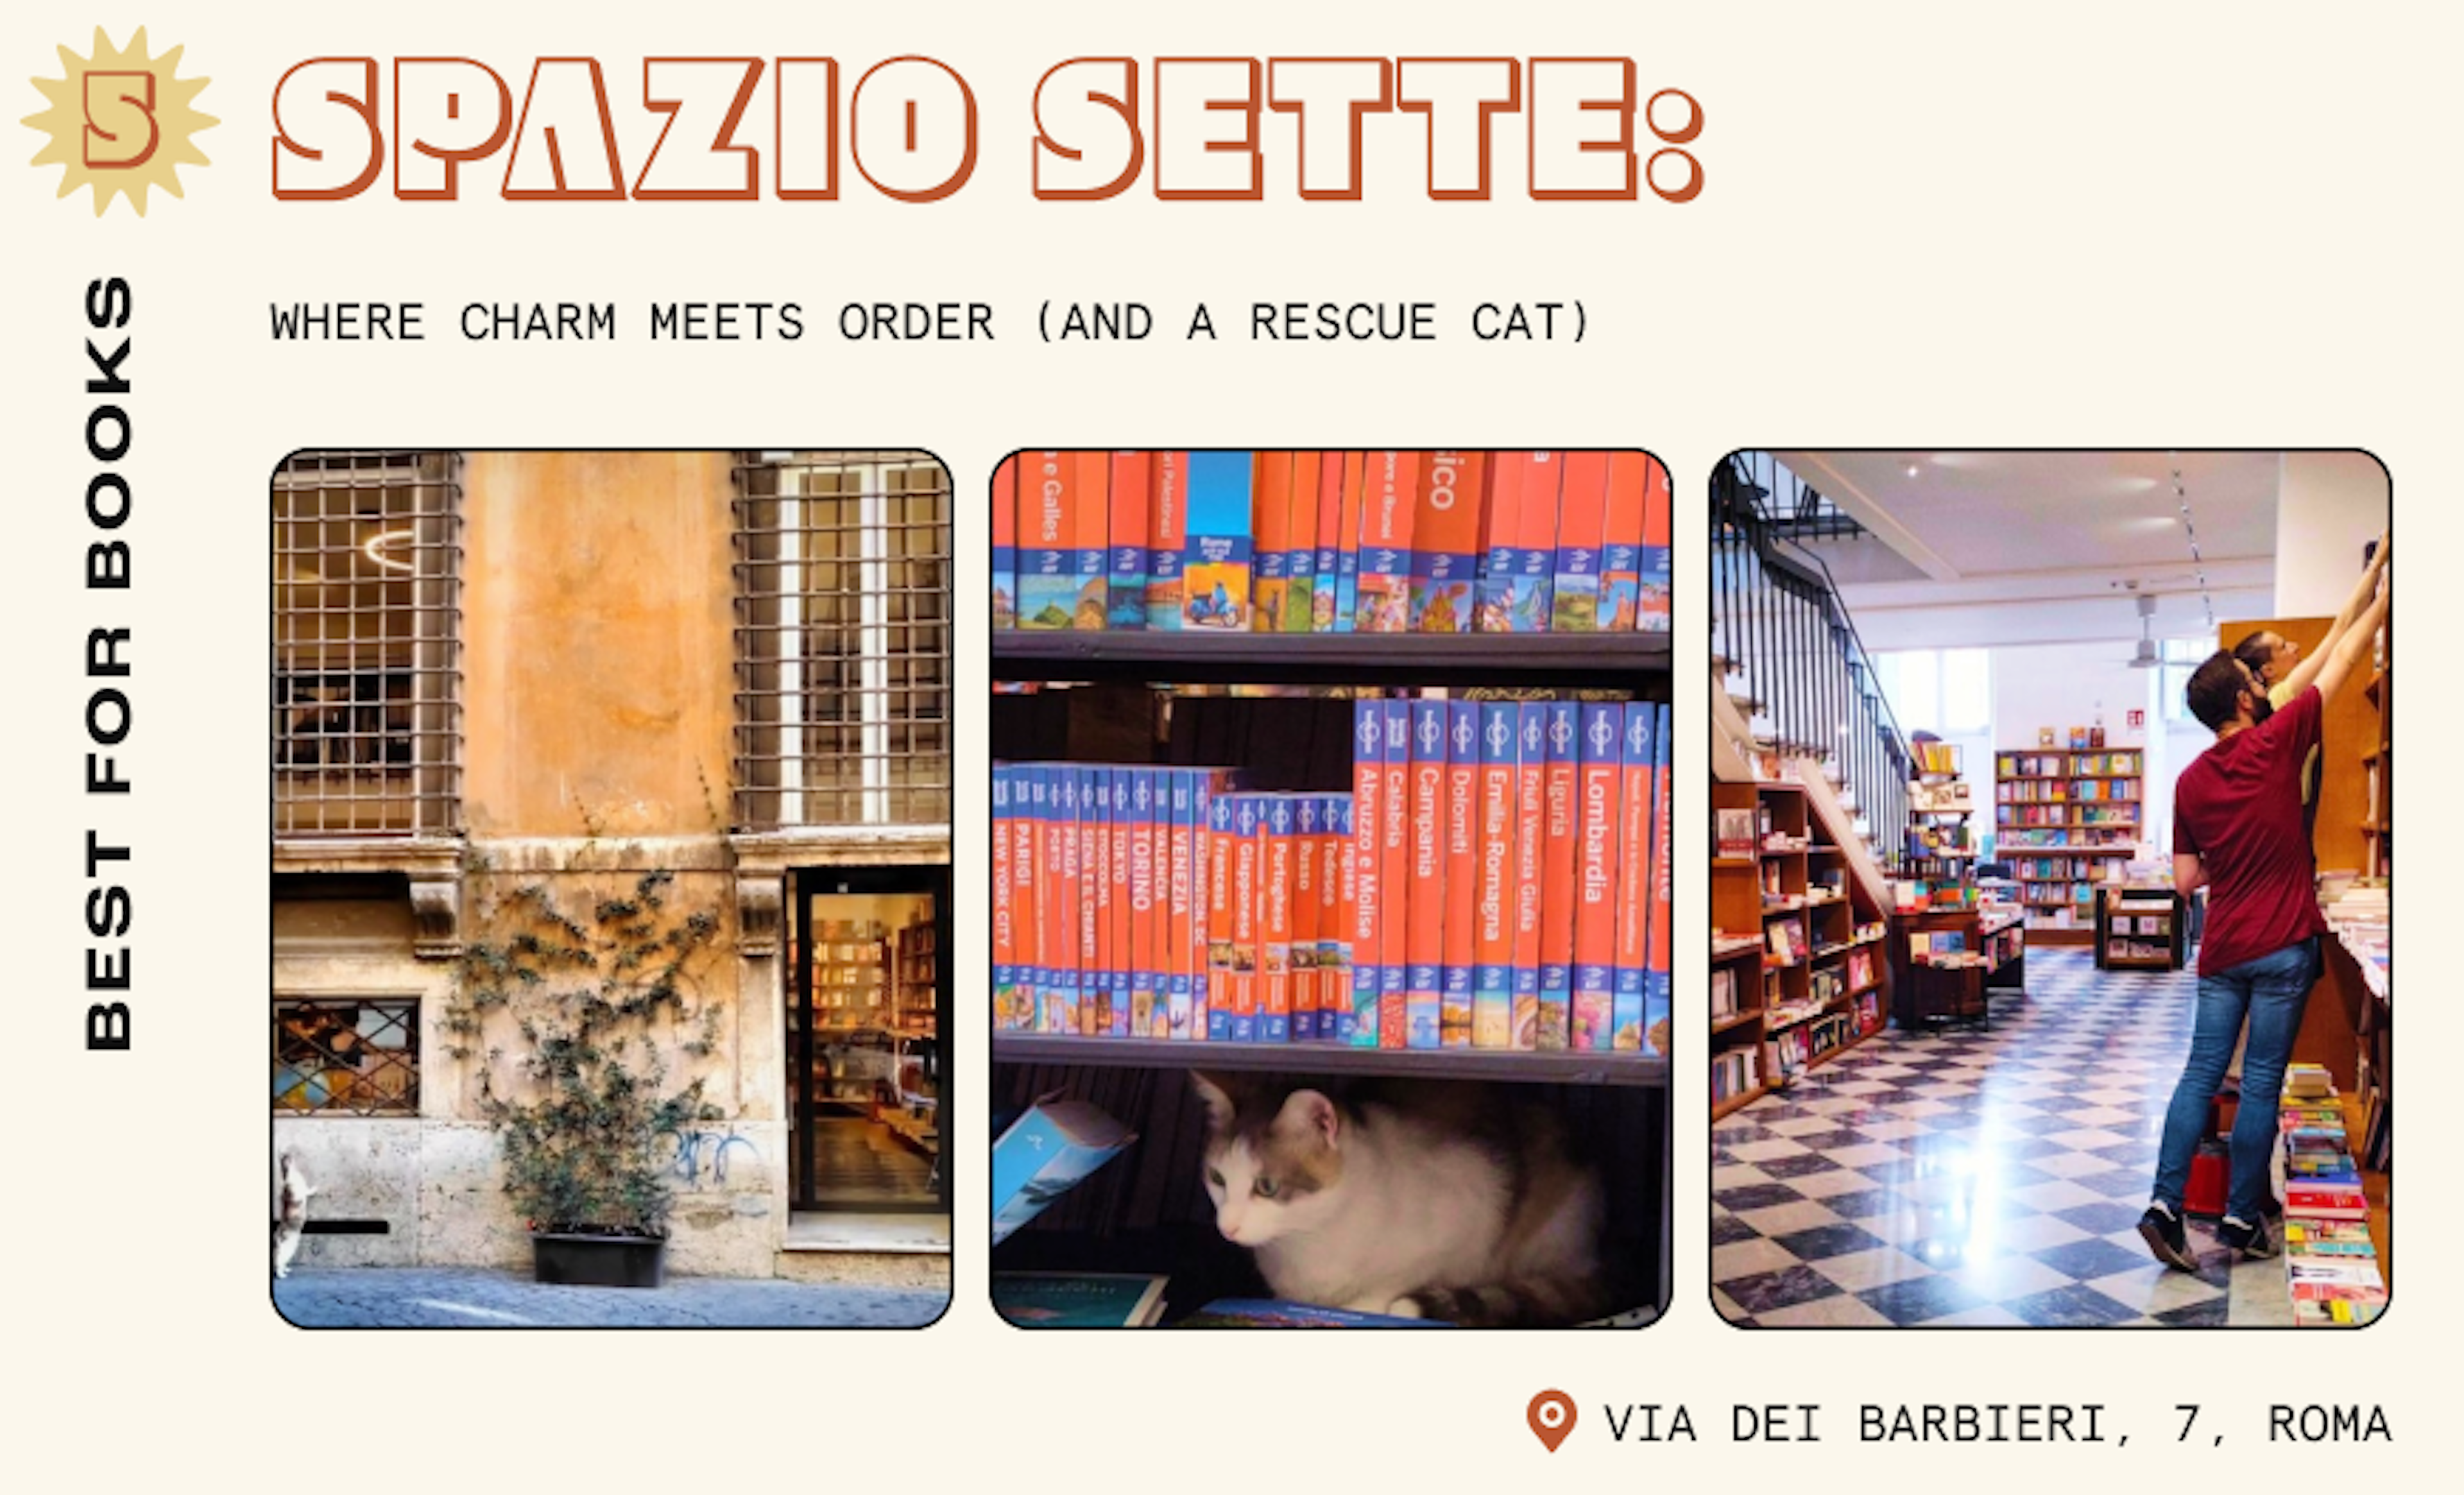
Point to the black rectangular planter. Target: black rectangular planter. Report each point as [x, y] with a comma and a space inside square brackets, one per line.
[598, 1260]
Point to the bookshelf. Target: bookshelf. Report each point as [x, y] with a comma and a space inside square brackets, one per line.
[2140, 927]
[1970, 953]
[2064, 818]
[1940, 847]
[1280, 707]
[1798, 975]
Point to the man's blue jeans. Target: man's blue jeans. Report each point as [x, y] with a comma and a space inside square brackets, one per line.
[2270, 991]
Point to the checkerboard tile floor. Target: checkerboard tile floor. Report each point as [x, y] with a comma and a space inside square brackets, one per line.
[1989, 1177]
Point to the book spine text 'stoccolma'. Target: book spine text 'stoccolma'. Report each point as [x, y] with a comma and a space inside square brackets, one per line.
[1125, 539]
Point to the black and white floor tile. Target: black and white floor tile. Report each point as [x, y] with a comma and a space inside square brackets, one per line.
[1977, 1175]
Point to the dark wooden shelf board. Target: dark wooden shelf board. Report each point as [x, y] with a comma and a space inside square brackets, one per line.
[1553, 1067]
[1637, 662]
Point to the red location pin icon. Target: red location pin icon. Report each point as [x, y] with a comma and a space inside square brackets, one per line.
[1551, 1416]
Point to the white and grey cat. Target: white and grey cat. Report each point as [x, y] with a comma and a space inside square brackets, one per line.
[291, 1217]
[1426, 1201]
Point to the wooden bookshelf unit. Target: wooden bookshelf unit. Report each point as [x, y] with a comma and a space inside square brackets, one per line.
[1808, 985]
[2140, 927]
[2060, 817]
[1103, 696]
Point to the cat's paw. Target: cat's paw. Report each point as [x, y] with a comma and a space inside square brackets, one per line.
[1404, 1307]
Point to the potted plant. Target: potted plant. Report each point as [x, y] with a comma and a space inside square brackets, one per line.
[596, 1002]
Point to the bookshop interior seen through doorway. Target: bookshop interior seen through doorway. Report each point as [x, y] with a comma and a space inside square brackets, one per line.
[2052, 838]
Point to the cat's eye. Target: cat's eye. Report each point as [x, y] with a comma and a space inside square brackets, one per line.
[1215, 1177]
[1266, 1188]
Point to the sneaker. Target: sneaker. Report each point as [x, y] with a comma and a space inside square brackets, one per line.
[2249, 1242]
[2162, 1229]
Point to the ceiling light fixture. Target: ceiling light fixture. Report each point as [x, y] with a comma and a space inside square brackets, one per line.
[1912, 470]
[2189, 528]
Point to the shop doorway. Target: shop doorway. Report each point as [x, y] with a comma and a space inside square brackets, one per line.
[866, 1049]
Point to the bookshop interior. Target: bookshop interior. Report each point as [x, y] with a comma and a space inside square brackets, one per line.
[1330, 894]
[2049, 975]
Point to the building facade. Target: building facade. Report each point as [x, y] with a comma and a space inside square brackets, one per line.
[571, 668]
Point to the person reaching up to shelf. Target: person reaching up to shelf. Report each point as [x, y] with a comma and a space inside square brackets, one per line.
[2278, 662]
[2239, 832]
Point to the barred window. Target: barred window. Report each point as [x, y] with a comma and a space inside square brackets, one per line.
[842, 639]
[367, 616]
[346, 1056]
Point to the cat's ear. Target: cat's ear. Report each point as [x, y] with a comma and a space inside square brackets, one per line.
[1311, 1114]
[1217, 1101]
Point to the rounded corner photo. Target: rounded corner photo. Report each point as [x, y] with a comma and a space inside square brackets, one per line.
[1331, 935]
[611, 888]
[2052, 841]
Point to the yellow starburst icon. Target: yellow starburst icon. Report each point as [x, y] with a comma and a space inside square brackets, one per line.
[121, 122]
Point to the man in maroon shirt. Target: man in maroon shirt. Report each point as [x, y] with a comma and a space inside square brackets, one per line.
[2239, 832]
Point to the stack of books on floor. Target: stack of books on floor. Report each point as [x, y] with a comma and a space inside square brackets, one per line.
[1498, 879]
[1331, 542]
[2331, 1267]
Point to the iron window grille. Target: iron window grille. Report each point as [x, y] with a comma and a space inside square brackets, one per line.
[367, 567]
[842, 640]
[354, 1056]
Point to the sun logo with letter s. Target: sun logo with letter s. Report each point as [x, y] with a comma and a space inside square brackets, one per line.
[121, 122]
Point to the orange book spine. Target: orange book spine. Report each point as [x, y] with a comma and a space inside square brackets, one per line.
[1530, 835]
[1185, 885]
[1425, 951]
[1129, 481]
[1446, 541]
[1216, 848]
[1121, 960]
[1062, 1011]
[1456, 977]
[1095, 925]
[1275, 876]
[1026, 877]
[1147, 1007]
[1244, 918]
[1386, 527]
[1362, 879]
[1562, 808]
[1620, 600]
[1595, 890]
[1308, 979]
[1658, 518]
[1395, 873]
[1272, 556]
[1167, 535]
[1086, 502]
[1582, 518]
[1492, 1001]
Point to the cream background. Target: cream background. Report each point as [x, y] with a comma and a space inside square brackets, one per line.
[2104, 224]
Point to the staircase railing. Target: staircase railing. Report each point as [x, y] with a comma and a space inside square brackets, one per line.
[1777, 618]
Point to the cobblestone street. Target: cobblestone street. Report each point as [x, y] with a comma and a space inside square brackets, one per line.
[463, 1298]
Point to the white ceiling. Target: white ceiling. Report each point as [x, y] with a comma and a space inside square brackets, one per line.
[2026, 547]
